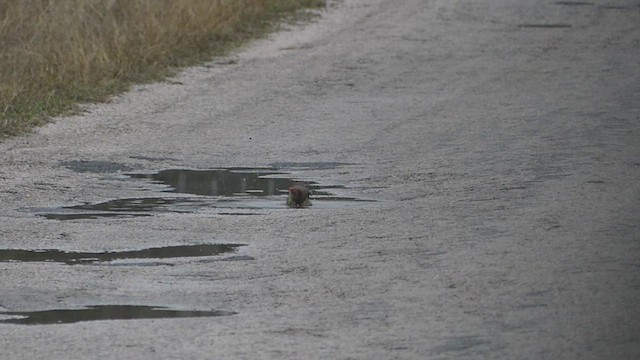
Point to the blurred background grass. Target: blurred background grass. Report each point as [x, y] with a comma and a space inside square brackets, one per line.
[55, 54]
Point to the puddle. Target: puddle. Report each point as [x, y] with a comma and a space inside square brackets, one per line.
[242, 187]
[74, 258]
[221, 182]
[214, 191]
[62, 215]
[103, 312]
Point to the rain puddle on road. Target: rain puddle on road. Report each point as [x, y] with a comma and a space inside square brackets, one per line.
[222, 182]
[244, 190]
[102, 312]
[75, 258]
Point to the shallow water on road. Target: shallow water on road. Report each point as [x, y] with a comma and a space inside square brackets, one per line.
[216, 191]
[221, 182]
[102, 312]
[74, 258]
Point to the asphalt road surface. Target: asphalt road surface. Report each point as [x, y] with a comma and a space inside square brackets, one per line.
[500, 140]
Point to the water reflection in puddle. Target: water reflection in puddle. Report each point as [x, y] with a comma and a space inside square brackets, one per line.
[62, 214]
[103, 312]
[221, 182]
[216, 191]
[74, 258]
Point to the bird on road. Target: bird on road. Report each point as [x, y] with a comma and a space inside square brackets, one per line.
[298, 196]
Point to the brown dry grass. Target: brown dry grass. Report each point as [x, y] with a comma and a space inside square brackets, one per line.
[56, 53]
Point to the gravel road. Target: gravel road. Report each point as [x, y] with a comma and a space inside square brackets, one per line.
[500, 140]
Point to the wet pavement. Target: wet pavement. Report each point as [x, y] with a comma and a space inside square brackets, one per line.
[474, 171]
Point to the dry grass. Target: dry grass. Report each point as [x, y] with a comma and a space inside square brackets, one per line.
[56, 53]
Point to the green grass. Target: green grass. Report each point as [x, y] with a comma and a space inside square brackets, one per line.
[55, 54]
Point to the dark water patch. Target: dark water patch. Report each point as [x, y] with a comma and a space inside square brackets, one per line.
[245, 206]
[103, 312]
[57, 215]
[233, 183]
[221, 182]
[141, 264]
[74, 257]
[237, 213]
[239, 258]
[213, 192]
[95, 166]
[245, 188]
[544, 26]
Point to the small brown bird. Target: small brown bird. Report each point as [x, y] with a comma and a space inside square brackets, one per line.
[298, 196]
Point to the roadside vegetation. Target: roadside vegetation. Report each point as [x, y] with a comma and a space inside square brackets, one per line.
[55, 54]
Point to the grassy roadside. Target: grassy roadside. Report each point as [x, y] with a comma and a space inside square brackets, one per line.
[55, 54]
